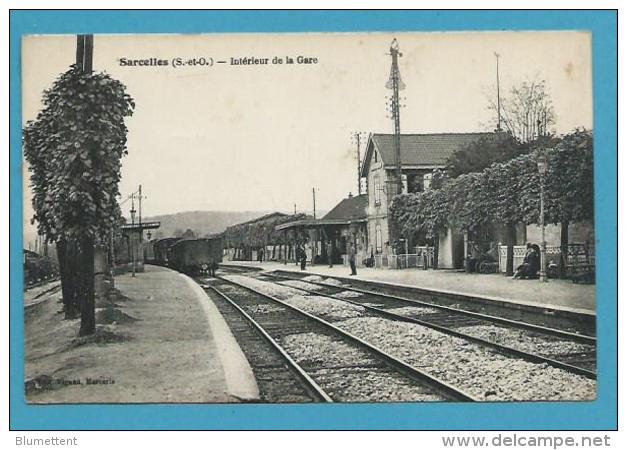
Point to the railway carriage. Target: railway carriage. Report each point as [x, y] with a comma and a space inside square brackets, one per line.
[160, 250]
[195, 256]
[38, 268]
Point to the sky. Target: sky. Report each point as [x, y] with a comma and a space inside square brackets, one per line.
[260, 137]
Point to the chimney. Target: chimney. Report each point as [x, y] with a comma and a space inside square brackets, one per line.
[350, 195]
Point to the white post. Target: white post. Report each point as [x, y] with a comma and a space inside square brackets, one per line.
[543, 244]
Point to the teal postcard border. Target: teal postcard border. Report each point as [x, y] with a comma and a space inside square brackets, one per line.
[600, 414]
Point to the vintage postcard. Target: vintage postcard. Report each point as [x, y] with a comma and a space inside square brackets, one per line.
[274, 218]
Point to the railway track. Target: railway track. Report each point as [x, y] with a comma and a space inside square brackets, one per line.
[581, 324]
[572, 352]
[41, 296]
[28, 287]
[330, 363]
[279, 378]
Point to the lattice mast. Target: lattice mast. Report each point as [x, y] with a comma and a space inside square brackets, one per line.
[395, 83]
[498, 94]
[359, 137]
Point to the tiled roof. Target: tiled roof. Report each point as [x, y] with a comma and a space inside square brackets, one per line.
[269, 216]
[350, 208]
[421, 149]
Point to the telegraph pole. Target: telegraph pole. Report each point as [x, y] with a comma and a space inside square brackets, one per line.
[357, 137]
[132, 227]
[498, 94]
[358, 164]
[396, 84]
[140, 206]
[85, 52]
[313, 191]
[86, 276]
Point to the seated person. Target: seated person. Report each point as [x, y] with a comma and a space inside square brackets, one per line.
[529, 268]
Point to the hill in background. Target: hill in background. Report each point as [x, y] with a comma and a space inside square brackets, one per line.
[201, 222]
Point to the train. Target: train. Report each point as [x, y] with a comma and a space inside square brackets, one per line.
[191, 256]
[38, 268]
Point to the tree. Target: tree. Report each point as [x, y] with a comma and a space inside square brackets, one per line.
[257, 233]
[569, 186]
[74, 149]
[480, 154]
[509, 193]
[527, 112]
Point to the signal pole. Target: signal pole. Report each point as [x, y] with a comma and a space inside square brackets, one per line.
[498, 94]
[140, 206]
[357, 135]
[396, 84]
[132, 227]
[85, 52]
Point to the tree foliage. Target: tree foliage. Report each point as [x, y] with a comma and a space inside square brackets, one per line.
[527, 111]
[258, 232]
[480, 154]
[74, 150]
[507, 192]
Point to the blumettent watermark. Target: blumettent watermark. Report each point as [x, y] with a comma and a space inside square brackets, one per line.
[23, 441]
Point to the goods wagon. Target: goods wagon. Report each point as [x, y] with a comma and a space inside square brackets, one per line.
[195, 256]
[38, 268]
[160, 250]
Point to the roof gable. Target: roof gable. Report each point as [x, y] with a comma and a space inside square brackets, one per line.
[350, 208]
[429, 150]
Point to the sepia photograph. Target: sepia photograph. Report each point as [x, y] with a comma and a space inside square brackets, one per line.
[313, 217]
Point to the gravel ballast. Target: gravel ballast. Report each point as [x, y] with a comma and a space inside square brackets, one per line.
[371, 385]
[349, 374]
[348, 294]
[473, 368]
[275, 290]
[412, 310]
[325, 307]
[523, 340]
[301, 285]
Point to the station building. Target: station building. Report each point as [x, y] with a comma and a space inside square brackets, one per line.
[421, 155]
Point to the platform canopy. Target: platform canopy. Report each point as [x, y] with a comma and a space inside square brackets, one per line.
[349, 211]
[140, 226]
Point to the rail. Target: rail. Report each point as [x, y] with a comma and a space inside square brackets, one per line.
[443, 387]
[586, 339]
[503, 349]
[313, 387]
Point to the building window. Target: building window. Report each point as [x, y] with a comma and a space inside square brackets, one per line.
[376, 156]
[426, 181]
[377, 191]
[378, 238]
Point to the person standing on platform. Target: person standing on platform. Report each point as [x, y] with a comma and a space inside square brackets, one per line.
[303, 256]
[330, 253]
[351, 258]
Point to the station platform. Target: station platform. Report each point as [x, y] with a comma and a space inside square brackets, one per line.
[167, 342]
[557, 295]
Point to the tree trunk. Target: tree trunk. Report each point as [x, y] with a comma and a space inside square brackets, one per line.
[563, 248]
[86, 292]
[511, 238]
[67, 255]
[436, 250]
[111, 256]
[62, 257]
